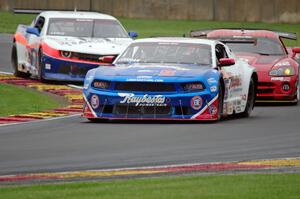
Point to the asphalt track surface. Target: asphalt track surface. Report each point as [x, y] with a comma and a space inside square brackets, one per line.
[76, 144]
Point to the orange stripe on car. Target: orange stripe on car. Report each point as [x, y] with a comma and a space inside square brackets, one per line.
[21, 39]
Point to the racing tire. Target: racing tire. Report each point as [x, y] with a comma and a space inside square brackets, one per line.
[41, 66]
[220, 102]
[14, 62]
[297, 96]
[250, 100]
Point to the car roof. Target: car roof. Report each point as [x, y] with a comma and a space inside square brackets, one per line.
[240, 32]
[177, 40]
[77, 14]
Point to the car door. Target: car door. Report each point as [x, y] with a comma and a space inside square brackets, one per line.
[232, 78]
[34, 44]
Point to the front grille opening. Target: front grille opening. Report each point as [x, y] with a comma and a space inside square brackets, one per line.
[145, 87]
[265, 84]
[142, 110]
[264, 91]
[183, 110]
[108, 109]
[72, 69]
[89, 57]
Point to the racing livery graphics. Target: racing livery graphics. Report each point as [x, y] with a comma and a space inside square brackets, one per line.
[63, 45]
[277, 66]
[171, 79]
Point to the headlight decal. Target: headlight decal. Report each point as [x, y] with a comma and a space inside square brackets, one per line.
[101, 84]
[282, 71]
[193, 86]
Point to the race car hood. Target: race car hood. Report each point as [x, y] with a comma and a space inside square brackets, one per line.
[262, 63]
[153, 72]
[102, 46]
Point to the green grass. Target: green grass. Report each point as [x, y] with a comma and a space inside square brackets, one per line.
[247, 186]
[149, 28]
[17, 100]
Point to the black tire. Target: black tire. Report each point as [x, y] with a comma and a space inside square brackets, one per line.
[250, 100]
[297, 96]
[14, 63]
[220, 102]
[41, 66]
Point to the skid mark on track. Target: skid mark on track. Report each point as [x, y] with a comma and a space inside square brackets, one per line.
[73, 95]
[255, 165]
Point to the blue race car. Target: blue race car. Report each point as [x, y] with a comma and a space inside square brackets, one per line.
[171, 79]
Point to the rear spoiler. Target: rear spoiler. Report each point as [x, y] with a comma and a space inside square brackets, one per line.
[203, 33]
[38, 11]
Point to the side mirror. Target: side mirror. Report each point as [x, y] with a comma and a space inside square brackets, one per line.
[133, 34]
[107, 59]
[33, 31]
[226, 62]
[296, 50]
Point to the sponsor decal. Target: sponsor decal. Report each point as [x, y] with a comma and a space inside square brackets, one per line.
[145, 71]
[95, 101]
[146, 100]
[235, 82]
[282, 79]
[212, 109]
[167, 72]
[283, 63]
[48, 66]
[213, 88]
[211, 80]
[144, 79]
[196, 102]
[244, 97]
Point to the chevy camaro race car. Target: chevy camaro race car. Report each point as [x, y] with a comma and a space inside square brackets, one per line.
[64, 45]
[276, 65]
[171, 79]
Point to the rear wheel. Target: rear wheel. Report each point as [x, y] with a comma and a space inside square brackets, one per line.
[14, 62]
[250, 100]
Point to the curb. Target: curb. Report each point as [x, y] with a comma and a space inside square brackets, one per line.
[73, 95]
[254, 165]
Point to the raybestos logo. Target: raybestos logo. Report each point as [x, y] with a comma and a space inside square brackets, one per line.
[146, 100]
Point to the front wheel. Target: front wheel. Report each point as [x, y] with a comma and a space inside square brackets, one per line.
[297, 96]
[40, 66]
[14, 62]
[250, 100]
[220, 102]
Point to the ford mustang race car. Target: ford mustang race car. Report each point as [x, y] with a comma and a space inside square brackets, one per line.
[171, 79]
[276, 65]
[64, 45]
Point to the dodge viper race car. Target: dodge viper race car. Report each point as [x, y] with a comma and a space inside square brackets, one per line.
[171, 79]
[63, 45]
[276, 65]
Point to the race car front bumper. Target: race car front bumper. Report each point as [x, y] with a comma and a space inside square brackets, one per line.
[129, 106]
[64, 70]
[277, 89]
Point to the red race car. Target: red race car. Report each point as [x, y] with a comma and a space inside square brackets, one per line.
[277, 66]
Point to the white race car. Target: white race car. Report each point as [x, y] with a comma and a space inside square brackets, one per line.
[64, 45]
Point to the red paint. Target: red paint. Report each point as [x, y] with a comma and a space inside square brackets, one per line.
[213, 167]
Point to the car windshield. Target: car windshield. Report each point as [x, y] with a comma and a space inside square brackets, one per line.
[178, 53]
[263, 46]
[97, 28]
